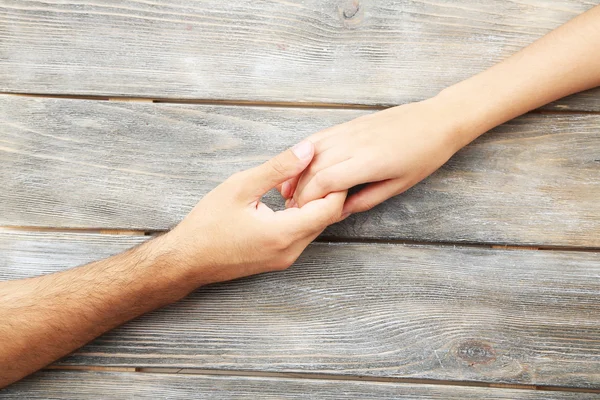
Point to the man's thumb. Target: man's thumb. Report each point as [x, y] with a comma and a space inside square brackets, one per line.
[280, 168]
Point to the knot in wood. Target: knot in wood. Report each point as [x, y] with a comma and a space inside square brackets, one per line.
[476, 352]
[350, 9]
[350, 12]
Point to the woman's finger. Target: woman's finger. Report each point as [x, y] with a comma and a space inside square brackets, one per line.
[372, 195]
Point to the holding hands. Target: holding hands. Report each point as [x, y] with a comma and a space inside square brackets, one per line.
[231, 233]
[391, 150]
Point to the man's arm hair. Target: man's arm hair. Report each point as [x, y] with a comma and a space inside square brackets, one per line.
[45, 318]
[228, 235]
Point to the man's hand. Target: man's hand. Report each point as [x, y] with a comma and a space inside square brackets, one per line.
[392, 149]
[229, 234]
[233, 234]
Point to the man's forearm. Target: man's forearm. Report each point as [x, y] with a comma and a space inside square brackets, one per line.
[47, 317]
[564, 62]
[229, 234]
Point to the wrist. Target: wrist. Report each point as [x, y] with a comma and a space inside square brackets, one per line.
[466, 113]
[167, 258]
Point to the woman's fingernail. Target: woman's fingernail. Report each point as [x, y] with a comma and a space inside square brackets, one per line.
[292, 203]
[303, 150]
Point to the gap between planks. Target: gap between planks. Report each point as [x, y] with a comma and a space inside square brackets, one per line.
[248, 103]
[322, 239]
[314, 376]
[118, 231]
[241, 103]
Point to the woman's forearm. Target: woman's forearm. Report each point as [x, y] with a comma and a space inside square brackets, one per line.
[565, 61]
[393, 149]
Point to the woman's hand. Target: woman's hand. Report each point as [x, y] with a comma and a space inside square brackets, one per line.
[396, 148]
[231, 234]
[391, 150]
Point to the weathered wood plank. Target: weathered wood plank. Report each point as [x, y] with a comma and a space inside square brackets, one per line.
[340, 51]
[530, 317]
[110, 385]
[92, 164]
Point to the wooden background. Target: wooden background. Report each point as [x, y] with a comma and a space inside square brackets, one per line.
[482, 281]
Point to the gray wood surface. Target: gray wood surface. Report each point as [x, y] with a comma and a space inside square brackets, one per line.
[88, 385]
[341, 51]
[99, 164]
[530, 317]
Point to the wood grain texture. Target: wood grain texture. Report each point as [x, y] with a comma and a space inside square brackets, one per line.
[88, 385]
[333, 51]
[529, 317]
[93, 164]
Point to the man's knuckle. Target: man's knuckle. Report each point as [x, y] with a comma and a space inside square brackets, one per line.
[282, 266]
[333, 219]
[326, 221]
[290, 259]
[277, 166]
[287, 261]
[365, 205]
